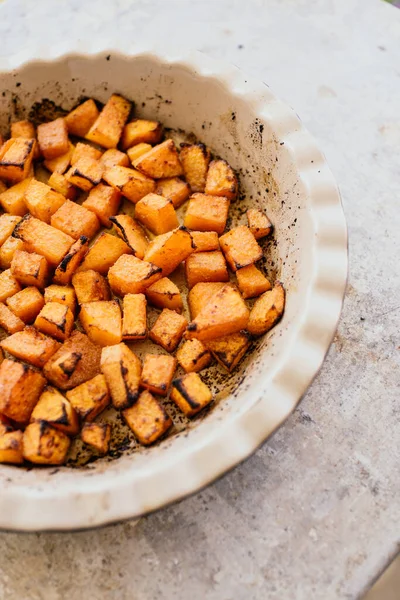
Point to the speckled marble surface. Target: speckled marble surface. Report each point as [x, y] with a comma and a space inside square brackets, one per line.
[315, 512]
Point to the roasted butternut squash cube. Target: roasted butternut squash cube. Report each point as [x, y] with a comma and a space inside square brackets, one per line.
[259, 224]
[71, 261]
[226, 313]
[102, 322]
[81, 119]
[167, 251]
[26, 304]
[221, 180]
[97, 435]
[167, 331]
[195, 159]
[8, 285]
[130, 275]
[132, 233]
[43, 239]
[90, 286]
[60, 184]
[104, 253]
[157, 373]
[7, 226]
[61, 163]
[56, 320]
[42, 444]
[230, 349]
[156, 213]
[108, 127]
[267, 310]
[205, 241]
[11, 448]
[201, 294]
[82, 150]
[193, 356]
[76, 361]
[134, 320]
[114, 158]
[174, 189]
[31, 346]
[190, 394]
[207, 213]
[104, 202]
[53, 138]
[240, 247]
[136, 151]
[161, 161]
[20, 388]
[85, 173]
[75, 220]
[90, 398]
[54, 409]
[16, 157]
[13, 199]
[252, 282]
[26, 130]
[140, 130]
[165, 294]
[147, 419]
[42, 201]
[61, 294]
[30, 268]
[131, 183]
[7, 251]
[9, 321]
[121, 368]
[205, 267]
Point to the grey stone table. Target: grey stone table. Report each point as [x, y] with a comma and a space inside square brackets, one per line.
[315, 513]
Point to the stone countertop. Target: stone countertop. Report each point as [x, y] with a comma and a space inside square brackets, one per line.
[315, 512]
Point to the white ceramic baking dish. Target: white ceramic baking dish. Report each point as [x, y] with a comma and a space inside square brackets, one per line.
[281, 170]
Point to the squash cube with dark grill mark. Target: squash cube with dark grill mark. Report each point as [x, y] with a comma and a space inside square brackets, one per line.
[167, 331]
[132, 233]
[11, 448]
[104, 253]
[56, 320]
[193, 356]
[259, 224]
[103, 201]
[221, 180]
[97, 435]
[102, 322]
[190, 394]
[42, 444]
[165, 294]
[54, 409]
[158, 371]
[90, 398]
[130, 275]
[240, 247]
[131, 183]
[30, 268]
[62, 294]
[16, 159]
[85, 173]
[20, 388]
[167, 251]
[43, 238]
[147, 419]
[71, 261]
[267, 310]
[122, 370]
[230, 349]
[195, 159]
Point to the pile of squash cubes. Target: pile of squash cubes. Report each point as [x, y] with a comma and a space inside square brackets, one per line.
[77, 274]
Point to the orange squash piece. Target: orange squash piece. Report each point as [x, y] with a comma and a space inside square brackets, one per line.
[157, 373]
[259, 224]
[11, 448]
[75, 220]
[165, 294]
[121, 368]
[267, 310]
[130, 275]
[107, 129]
[205, 241]
[85, 173]
[62, 294]
[102, 322]
[190, 394]
[132, 234]
[104, 253]
[175, 189]
[20, 387]
[113, 158]
[97, 435]
[167, 251]
[43, 239]
[59, 183]
[205, 267]
[156, 213]
[252, 282]
[54, 409]
[230, 349]
[207, 213]
[41, 201]
[7, 226]
[195, 159]
[61, 163]
[168, 329]
[71, 261]
[136, 151]
[104, 202]
[56, 320]
[221, 180]
[16, 159]
[81, 118]
[240, 247]
[131, 183]
[193, 356]
[147, 419]
[7, 251]
[42, 444]
[161, 161]
[90, 398]
[201, 294]
[134, 320]
[82, 150]
[30, 268]
[13, 198]
[8, 285]
[53, 138]
[139, 131]
[26, 304]
[90, 286]
[31, 346]
[9, 321]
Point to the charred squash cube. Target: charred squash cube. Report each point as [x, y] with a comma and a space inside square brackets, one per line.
[7, 226]
[7, 251]
[20, 388]
[42, 444]
[230, 349]
[60, 184]
[221, 180]
[75, 220]
[13, 199]
[43, 239]
[26, 304]
[161, 161]
[56, 320]
[114, 158]
[53, 138]
[41, 201]
[11, 448]
[90, 286]
[147, 419]
[205, 267]
[205, 241]
[130, 275]
[136, 151]
[165, 294]
[85, 173]
[104, 253]
[121, 368]
[195, 159]
[139, 131]
[31, 346]
[201, 294]
[225, 313]
[9, 321]
[158, 371]
[54, 409]
[61, 163]
[267, 310]
[252, 282]
[193, 356]
[26, 130]
[71, 261]
[240, 247]
[167, 251]
[30, 268]
[190, 394]
[104, 202]
[174, 189]
[156, 213]
[167, 331]
[84, 151]
[76, 361]
[102, 322]
[259, 224]
[16, 159]
[97, 435]
[61, 294]
[207, 213]
[132, 233]
[108, 127]
[8, 285]
[90, 398]
[81, 119]
[131, 183]
[134, 320]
